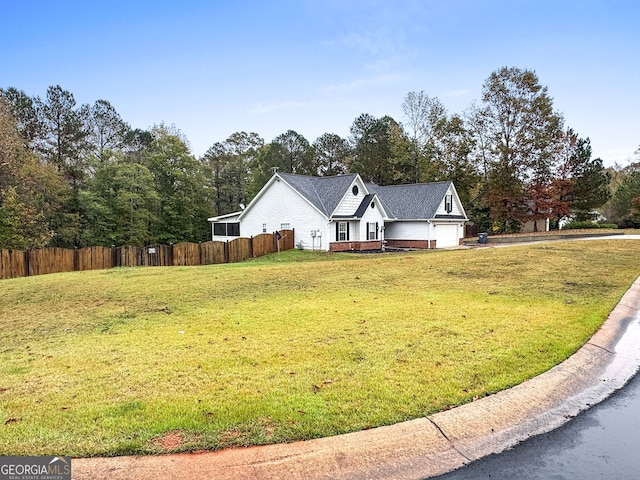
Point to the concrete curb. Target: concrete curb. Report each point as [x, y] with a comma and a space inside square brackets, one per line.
[428, 446]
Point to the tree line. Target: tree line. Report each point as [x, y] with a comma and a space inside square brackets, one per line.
[77, 175]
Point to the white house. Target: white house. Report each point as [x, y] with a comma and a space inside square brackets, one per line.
[343, 213]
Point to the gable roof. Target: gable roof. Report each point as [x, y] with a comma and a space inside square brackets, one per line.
[324, 193]
[366, 201]
[398, 202]
[414, 201]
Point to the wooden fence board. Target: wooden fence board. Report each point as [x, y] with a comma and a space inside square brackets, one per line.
[186, 253]
[264, 244]
[51, 260]
[94, 258]
[212, 253]
[238, 250]
[16, 263]
[13, 264]
[128, 256]
[287, 242]
[157, 256]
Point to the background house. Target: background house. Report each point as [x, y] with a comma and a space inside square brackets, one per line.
[342, 213]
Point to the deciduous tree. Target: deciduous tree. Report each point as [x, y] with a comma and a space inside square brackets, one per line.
[180, 181]
[30, 192]
[519, 131]
[120, 203]
[454, 146]
[426, 117]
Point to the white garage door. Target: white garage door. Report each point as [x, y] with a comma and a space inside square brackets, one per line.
[447, 235]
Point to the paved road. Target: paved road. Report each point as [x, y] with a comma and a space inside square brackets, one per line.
[601, 443]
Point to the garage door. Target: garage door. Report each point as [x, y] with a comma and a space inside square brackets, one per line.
[447, 235]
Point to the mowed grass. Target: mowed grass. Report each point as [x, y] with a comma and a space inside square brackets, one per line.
[289, 347]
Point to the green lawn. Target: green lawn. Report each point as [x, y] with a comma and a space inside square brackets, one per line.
[281, 348]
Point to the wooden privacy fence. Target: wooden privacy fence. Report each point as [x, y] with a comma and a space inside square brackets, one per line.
[471, 231]
[16, 263]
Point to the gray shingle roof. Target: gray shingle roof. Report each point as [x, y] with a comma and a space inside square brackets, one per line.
[324, 193]
[366, 201]
[401, 202]
[411, 201]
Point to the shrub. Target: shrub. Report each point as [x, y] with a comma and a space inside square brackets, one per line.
[629, 222]
[587, 224]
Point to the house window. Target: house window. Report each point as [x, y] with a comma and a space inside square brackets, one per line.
[448, 203]
[372, 231]
[355, 190]
[342, 231]
[264, 228]
[226, 229]
[285, 226]
[220, 229]
[233, 229]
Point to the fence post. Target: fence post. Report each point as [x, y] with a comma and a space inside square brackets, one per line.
[251, 252]
[76, 259]
[226, 252]
[171, 254]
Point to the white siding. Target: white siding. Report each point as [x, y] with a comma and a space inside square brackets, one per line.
[457, 208]
[371, 215]
[280, 204]
[350, 202]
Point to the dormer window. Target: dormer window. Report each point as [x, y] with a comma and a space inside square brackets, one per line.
[355, 190]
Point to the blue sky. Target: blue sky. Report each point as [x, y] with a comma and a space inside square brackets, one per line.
[213, 68]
